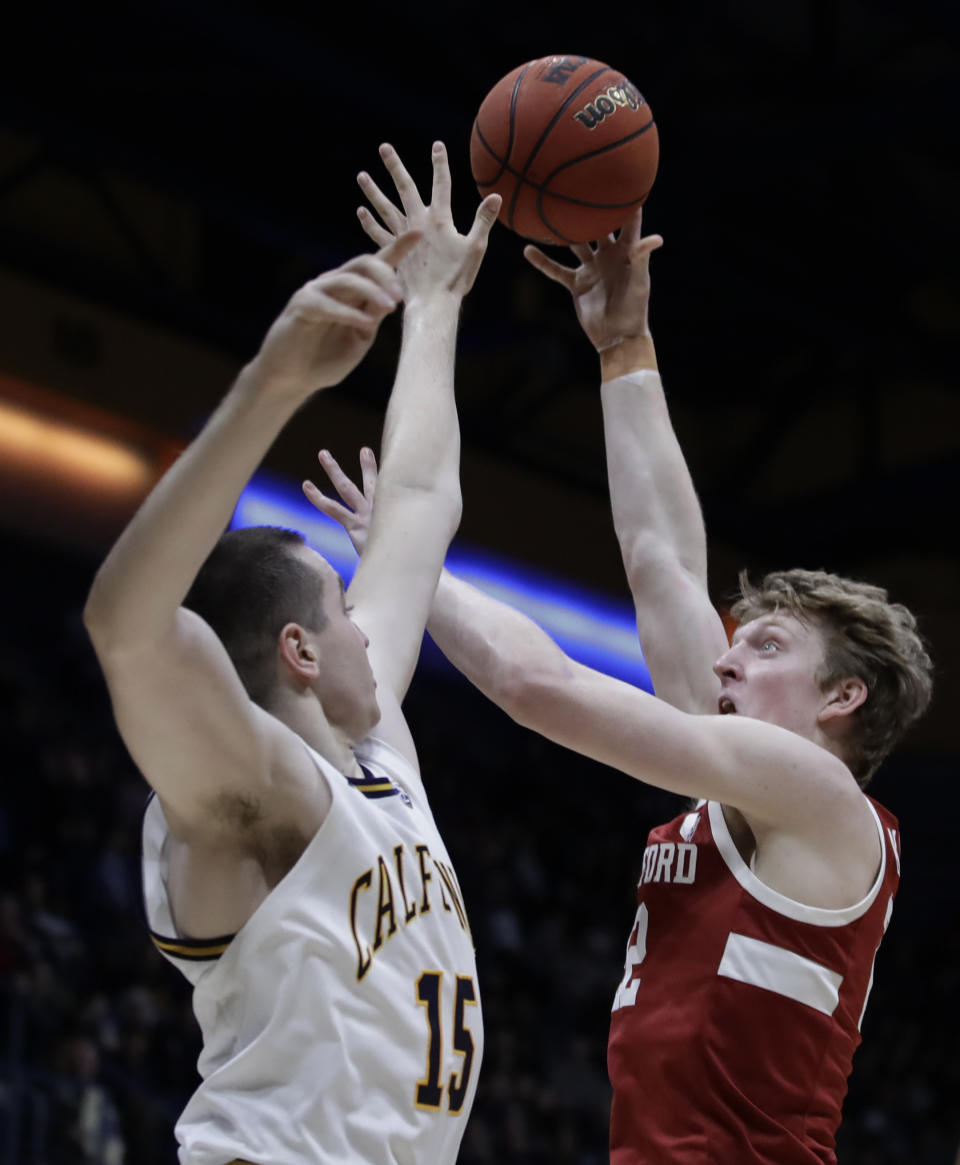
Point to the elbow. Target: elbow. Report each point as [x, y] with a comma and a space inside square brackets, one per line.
[96, 618]
[446, 503]
[530, 695]
[110, 645]
[653, 563]
[445, 508]
[647, 555]
[450, 505]
[501, 676]
[509, 692]
[113, 631]
[439, 502]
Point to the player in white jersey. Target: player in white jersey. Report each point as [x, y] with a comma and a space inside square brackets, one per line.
[292, 867]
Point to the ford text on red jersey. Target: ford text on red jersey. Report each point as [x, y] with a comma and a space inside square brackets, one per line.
[734, 1026]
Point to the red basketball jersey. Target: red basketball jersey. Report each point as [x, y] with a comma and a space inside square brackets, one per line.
[734, 1028]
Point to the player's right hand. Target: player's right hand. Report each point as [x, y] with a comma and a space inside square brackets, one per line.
[330, 323]
[611, 285]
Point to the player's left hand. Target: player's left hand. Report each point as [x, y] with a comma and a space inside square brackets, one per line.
[356, 506]
[445, 261]
[611, 285]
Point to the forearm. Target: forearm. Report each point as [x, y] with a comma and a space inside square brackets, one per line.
[151, 567]
[421, 434]
[499, 650]
[656, 512]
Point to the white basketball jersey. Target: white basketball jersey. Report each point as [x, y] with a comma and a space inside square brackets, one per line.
[342, 1022]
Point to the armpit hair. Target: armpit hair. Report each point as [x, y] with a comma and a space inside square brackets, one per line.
[237, 810]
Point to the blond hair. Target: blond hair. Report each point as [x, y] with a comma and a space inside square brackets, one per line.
[865, 635]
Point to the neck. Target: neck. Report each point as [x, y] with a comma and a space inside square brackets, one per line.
[304, 716]
[833, 743]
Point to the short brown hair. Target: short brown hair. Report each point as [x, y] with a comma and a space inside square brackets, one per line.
[253, 585]
[865, 636]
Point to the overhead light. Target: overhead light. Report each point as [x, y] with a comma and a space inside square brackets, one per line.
[36, 443]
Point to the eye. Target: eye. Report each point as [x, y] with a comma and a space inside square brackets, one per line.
[770, 646]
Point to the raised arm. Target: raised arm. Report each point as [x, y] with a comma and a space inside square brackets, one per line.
[179, 703]
[656, 512]
[782, 783]
[815, 834]
[418, 504]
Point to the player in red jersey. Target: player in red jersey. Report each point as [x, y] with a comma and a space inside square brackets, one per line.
[759, 913]
[760, 907]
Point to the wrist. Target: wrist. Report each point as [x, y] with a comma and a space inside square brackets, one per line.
[630, 354]
[434, 304]
[258, 381]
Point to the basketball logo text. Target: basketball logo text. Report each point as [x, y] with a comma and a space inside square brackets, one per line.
[605, 104]
[560, 72]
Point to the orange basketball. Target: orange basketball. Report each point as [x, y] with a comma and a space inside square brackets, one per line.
[571, 146]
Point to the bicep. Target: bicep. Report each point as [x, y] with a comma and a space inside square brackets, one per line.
[772, 775]
[187, 720]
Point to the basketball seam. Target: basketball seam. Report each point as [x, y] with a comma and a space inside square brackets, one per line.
[507, 169]
[510, 134]
[546, 133]
[599, 150]
[579, 201]
[504, 167]
[513, 112]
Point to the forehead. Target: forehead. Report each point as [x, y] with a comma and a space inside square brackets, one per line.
[323, 570]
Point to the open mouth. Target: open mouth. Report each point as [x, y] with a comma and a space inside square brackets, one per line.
[726, 706]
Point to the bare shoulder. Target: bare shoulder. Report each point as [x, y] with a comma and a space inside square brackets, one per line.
[833, 856]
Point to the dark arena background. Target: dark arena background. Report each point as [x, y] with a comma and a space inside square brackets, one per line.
[169, 174]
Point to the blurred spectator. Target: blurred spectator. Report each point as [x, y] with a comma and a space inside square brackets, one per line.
[85, 1124]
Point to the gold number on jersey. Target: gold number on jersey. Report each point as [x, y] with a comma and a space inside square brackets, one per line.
[429, 1093]
[636, 953]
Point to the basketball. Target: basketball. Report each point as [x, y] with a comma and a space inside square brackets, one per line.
[569, 144]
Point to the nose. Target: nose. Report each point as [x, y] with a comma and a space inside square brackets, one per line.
[728, 665]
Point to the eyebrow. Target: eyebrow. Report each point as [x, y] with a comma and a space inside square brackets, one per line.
[762, 626]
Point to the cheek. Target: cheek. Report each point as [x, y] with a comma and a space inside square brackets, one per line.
[787, 690]
[800, 694]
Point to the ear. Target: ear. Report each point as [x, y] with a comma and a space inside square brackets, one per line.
[843, 698]
[298, 654]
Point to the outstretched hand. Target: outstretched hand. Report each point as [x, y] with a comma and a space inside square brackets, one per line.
[354, 512]
[330, 323]
[611, 286]
[445, 260]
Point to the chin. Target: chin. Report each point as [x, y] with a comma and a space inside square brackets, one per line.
[372, 718]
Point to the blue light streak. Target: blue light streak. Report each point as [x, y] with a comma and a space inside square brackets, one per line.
[593, 629]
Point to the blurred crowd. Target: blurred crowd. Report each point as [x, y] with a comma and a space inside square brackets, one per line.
[98, 1044]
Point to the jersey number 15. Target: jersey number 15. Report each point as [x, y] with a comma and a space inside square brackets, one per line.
[429, 1092]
